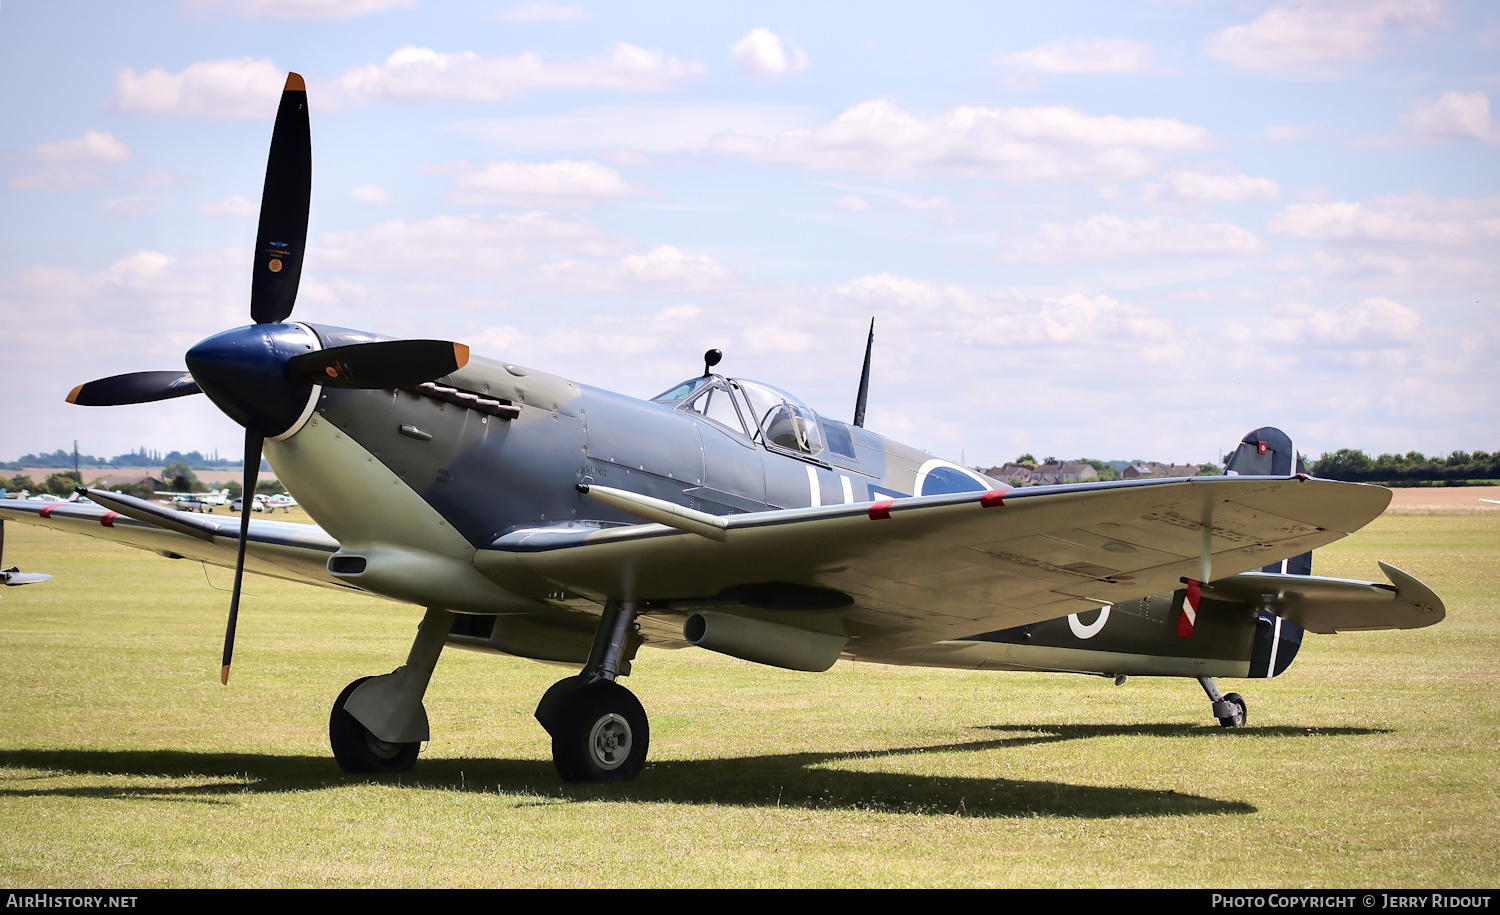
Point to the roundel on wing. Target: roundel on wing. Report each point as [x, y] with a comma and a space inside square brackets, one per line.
[941, 480]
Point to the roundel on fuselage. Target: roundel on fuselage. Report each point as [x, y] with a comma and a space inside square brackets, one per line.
[937, 478]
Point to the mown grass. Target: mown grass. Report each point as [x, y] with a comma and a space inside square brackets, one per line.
[124, 763]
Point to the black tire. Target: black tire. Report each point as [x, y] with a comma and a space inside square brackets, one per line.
[1237, 720]
[600, 734]
[357, 750]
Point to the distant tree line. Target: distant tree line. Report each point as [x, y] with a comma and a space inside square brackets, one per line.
[142, 458]
[1355, 466]
[59, 484]
[178, 477]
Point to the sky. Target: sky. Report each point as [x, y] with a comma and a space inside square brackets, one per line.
[1108, 230]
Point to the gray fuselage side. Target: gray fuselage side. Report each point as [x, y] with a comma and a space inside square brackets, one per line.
[486, 475]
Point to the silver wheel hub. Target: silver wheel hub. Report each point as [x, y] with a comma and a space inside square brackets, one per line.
[610, 741]
[381, 748]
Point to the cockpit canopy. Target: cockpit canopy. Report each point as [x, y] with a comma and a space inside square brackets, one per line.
[750, 408]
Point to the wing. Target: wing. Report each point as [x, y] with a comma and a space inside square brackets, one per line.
[924, 569]
[296, 552]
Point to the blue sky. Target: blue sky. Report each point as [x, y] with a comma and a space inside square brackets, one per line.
[1112, 230]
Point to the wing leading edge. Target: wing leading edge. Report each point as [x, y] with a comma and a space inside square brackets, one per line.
[930, 568]
[280, 549]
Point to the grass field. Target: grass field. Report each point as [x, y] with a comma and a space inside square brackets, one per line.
[123, 762]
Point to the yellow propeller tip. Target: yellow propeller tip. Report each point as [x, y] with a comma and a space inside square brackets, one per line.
[224, 675]
[294, 83]
[73, 394]
[460, 354]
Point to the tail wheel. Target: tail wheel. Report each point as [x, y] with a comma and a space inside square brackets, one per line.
[357, 750]
[1237, 719]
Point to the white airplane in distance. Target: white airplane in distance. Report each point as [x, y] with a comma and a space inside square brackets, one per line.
[265, 503]
[196, 501]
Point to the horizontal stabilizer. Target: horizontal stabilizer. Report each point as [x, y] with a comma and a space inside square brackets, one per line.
[1329, 605]
[14, 576]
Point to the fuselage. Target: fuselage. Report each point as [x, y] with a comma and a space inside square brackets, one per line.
[489, 471]
[414, 483]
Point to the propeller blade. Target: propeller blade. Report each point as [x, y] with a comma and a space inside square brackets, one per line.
[135, 387]
[282, 238]
[253, 442]
[385, 364]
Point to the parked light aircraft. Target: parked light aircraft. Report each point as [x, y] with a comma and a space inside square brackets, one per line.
[539, 517]
[195, 501]
[265, 503]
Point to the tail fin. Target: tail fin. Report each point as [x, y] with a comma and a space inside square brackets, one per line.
[1269, 452]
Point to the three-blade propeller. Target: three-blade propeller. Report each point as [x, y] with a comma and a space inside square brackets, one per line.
[239, 369]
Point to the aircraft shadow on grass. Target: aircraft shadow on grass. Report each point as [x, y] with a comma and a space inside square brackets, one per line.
[798, 780]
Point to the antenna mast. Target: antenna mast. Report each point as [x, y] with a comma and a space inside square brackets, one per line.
[864, 381]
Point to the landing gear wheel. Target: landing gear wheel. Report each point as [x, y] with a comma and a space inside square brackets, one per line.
[600, 734]
[1236, 720]
[357, 750]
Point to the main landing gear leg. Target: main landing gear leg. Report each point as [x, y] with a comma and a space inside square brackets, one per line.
[599, 730]
[1230, 709]
[378, 723]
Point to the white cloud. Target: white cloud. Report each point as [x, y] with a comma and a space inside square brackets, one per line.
[243, 88]
[69, 165]
[1049, 143]
[1182, 186]
[422, 73]
[853, 203]
[653, 128]
[93, 146]
[541, 12]
[371, 195]
[238, 205]
[1317, 33]
[535, 252]
[1453, 116]
[560, 183]
[1108, 235]
[465, 246]
[1280, 133]
[1376, 321]
[1417, 218]
[923, 204]
[761, 53]
[667, 267]
[154, 180]
[1385, 270]
[298, 9]
[68, 177]
[1084, 55]
[129, 207]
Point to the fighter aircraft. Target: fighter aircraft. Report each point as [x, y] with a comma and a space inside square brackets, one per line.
[539, 517]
